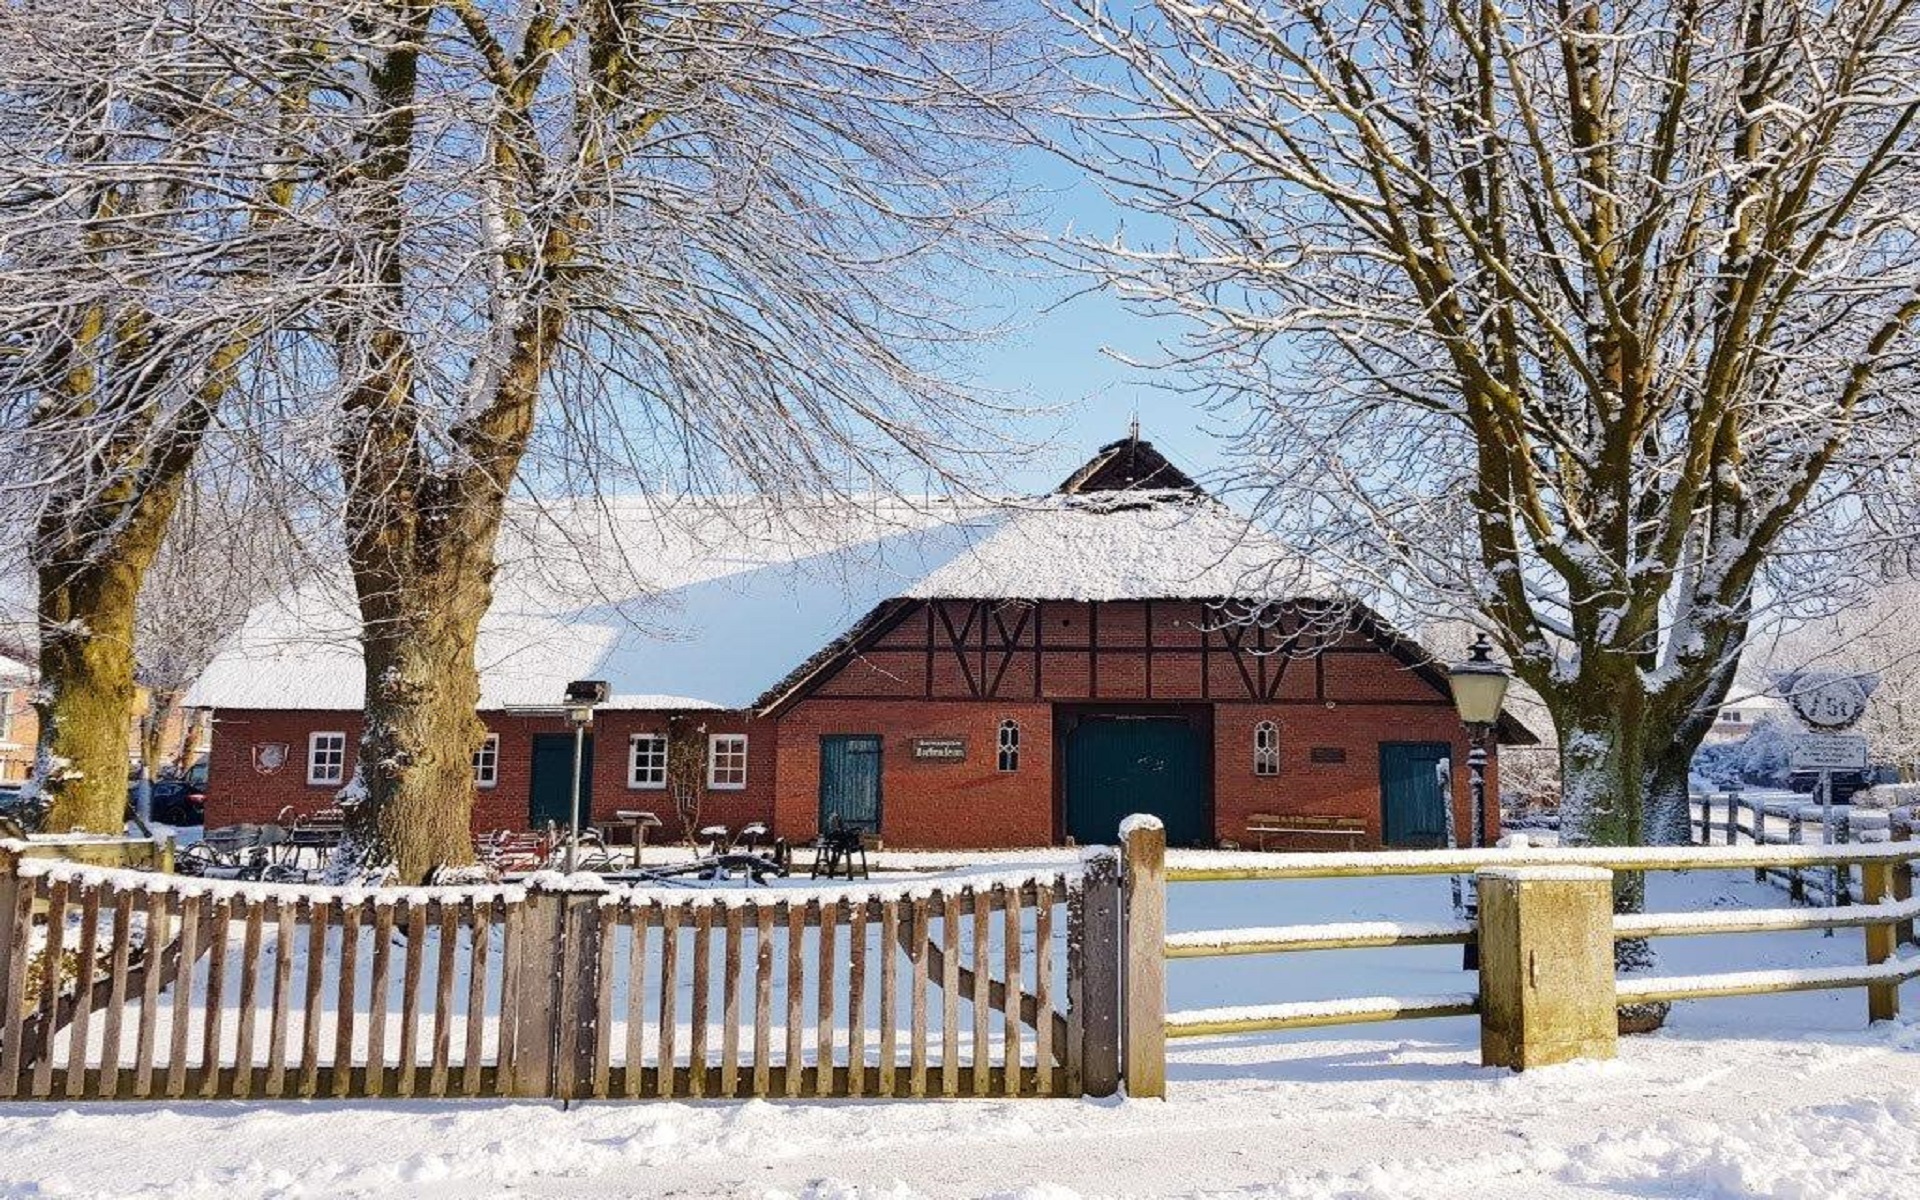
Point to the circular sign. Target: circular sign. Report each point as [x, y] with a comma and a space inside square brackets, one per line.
[1828, 701]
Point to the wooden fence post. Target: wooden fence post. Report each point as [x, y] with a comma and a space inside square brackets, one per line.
[16, 919]
[576, 1027]
[1096, 990]
[1733, 816]
[1900, 829]
[554, 961]
[1796, 835]
[1546, 966]
[1145, 846]
[1759, 835]
[1876, 884]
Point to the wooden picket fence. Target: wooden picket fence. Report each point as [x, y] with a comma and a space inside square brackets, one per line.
[123, 985]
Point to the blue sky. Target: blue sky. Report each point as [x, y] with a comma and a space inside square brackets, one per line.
[1057, 355]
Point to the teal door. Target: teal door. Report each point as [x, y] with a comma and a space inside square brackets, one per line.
[1412, 808]
[553, 780]
[1117, 766]
[850, 782]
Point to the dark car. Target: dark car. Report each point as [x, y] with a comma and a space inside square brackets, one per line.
[177, 800]
[1845, 783]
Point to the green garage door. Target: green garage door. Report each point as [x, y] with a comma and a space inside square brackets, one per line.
[1117, 766]
[1412, 808]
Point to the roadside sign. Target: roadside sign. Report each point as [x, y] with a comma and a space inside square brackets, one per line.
[1828, 701]
[1828, 752]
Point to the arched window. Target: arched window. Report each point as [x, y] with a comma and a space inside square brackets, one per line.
[1266, 748]
[1009, 745]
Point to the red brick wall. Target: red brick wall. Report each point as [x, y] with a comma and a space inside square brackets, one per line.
[940, 804]
[1350, 788]
[238, 793]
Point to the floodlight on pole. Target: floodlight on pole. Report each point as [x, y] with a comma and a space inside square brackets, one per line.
[581, 696]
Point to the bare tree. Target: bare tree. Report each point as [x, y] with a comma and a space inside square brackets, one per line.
[149, 242]
[1594, 319]
[715, 233]
[227, 547]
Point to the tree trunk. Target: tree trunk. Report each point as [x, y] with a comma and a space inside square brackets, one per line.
[86, 694]
[1624, 783]
[422, 727]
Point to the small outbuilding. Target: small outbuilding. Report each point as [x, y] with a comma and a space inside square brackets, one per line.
[941, 674]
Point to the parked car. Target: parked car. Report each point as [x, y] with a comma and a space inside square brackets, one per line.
[15, 805]
[1845, 783]
[177, 799]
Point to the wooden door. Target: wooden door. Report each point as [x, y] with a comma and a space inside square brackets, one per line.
[1412, 808]
[553, 780]
[850, 782]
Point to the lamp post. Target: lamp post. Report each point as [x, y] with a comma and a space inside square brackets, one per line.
[1479, 688]
[582, 695]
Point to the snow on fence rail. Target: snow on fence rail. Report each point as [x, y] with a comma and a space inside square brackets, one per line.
[121, 984]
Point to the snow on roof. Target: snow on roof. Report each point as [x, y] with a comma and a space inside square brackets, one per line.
[677, 605]
[14, 673]
[682, 605]
[1125, 546]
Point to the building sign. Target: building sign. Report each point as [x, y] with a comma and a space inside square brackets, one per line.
[1327, 754]
[1829, 752]
[940, 749]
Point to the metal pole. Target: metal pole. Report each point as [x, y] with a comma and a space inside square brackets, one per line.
[1477, 784]
[573, 810]
[1827, 838]
[1477, 792]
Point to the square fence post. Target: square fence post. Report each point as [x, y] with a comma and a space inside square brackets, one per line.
[1876, 886]
[1546, 966]
[554, 955]
[1093, 949]
[1145, 847]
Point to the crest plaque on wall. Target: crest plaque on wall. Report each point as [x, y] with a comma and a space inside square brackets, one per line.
[269, 757]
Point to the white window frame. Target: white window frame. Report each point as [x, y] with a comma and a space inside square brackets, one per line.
[1007, 748]
[486, 762]
[1266, 749]
[656, 778]
[338, 754]
[735, 744]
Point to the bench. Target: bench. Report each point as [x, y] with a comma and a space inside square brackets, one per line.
[1267, 825]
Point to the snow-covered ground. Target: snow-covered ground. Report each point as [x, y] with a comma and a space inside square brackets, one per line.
[1777, 1096]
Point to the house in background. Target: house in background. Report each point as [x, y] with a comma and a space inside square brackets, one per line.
[1737, 718]
[19, 723]
[942, 674]
[179, 732]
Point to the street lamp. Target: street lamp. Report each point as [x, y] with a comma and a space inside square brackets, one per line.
[582, 695]
[1479, 688]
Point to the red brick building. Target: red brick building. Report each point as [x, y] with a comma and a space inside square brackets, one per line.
[1014, 676]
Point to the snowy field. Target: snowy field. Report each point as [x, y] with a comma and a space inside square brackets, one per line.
[1772, 1096]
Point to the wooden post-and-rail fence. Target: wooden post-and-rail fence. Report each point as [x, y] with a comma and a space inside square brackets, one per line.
[1546, 991]
[123, 985]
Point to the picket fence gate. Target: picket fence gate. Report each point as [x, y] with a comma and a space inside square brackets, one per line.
[123, 985]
